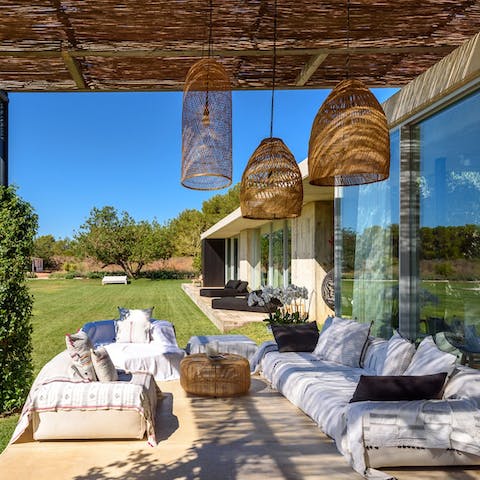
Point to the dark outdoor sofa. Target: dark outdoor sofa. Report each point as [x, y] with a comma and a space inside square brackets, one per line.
[233, 288]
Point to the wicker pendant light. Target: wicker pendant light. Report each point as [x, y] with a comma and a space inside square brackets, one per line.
[349, 142]
[207, 125]
[271, 185]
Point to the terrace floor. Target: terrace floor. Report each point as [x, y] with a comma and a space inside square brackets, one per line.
[225, 320]
[260, 435]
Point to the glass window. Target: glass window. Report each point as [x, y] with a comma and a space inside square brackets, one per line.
[277, 258]
[449, 193]
[264, 254]
[369, 222]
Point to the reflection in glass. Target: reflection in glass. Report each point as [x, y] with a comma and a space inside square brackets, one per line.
[264, 250]
[277, 258]
[449, 191]
[369, 225]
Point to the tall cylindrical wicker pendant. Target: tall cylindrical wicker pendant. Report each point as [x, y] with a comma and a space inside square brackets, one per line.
[349, 142]
[207, 127]
[271, 183]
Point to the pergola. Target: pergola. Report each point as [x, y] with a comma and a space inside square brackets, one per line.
[138, 45]
[149, 45]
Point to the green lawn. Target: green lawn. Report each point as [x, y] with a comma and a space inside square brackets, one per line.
[63, 306]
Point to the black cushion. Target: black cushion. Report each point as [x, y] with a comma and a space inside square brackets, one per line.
[301, 337]
[403, 387]
[242, 287]
[232, 284]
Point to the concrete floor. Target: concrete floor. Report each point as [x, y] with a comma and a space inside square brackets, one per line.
[225, 320]
[254, 437]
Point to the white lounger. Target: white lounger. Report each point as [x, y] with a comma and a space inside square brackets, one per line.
[114, 279]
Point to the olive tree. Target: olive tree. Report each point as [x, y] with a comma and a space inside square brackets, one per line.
[18, 225]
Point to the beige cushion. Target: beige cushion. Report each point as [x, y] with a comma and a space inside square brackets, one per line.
[79, 347]
[104, 368]
[134, 325]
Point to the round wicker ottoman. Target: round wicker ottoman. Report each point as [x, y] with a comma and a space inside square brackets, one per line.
[226, 377]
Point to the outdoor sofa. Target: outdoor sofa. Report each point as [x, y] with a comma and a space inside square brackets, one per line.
[158, 353]
[384, 426]
[233, 288]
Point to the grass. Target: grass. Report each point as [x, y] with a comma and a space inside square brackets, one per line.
[63, 306]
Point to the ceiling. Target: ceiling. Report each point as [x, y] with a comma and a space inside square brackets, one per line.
[143, 45]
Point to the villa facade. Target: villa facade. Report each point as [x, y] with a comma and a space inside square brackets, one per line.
[406, 251]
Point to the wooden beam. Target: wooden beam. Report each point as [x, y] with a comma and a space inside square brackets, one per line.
[74, 69]
[189, 53]
[310, 68]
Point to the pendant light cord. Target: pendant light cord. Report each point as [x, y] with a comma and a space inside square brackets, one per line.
[274, 64]
[347, 61]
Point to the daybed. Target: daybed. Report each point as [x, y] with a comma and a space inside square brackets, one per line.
[380, 433]
[63, 405]
[233, 288]
[241, 304]
[158, 353]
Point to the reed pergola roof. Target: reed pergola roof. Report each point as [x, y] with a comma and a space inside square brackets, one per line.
[109, 45]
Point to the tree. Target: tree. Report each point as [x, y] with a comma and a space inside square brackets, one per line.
[119, 240]
[18, 225]
[221, 205]
[44, 247]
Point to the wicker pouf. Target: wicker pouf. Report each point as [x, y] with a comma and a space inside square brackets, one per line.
[219, 378]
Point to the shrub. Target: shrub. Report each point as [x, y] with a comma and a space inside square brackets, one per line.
[18, 224]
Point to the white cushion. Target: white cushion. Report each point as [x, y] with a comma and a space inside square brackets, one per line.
[374, 357]
[323, 338]
[104, 368]
[464, 383]
[398, 355]
[134, 325]
[344, 342]
[79, 346]
[163, 333]
[429, 359]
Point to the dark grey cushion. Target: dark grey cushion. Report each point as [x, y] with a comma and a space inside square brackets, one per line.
[386, 388]
[301, 337]
[242, 287]
[232, 284]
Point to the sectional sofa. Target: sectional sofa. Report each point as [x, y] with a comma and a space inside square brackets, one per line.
[384, 403]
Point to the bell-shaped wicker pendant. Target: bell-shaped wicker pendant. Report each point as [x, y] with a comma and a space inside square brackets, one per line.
[349, 142]
[207, 127]
[271, 185]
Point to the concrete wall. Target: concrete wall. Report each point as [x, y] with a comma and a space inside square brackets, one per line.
[312, 252]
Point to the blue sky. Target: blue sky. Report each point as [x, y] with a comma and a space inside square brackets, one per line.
[69, 152]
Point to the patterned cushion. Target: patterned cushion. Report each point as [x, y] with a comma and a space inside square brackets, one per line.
[398, 355]
[345, 342]
[103, 365]
[375, 351]
[79, 346]
[429, 359]
[134, 325]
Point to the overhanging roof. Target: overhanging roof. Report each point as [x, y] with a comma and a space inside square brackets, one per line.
[110, 45]
[234, 223]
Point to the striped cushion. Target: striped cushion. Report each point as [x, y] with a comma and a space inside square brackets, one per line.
[134, 326]
[398, 355]
[79, 346]
[104, 367]
[346, 341]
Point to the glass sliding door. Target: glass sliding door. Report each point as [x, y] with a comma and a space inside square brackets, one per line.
[449, 230]
[369, 250]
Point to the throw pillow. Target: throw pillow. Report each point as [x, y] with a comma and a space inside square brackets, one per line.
[145, 313]
[301, 337]
[79, 346]
[345, 342]
[163, 332]
[103, 365]
[397, 388]
[232, 284]
[242, 287]
[429, 359]
[323, 337]
[398, 355]
[134, 325]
